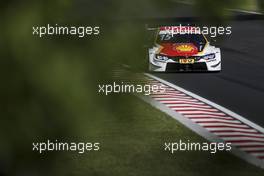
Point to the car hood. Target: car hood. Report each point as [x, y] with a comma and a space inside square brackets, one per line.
[178, 49]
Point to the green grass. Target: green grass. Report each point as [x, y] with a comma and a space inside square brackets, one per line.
[249, 5]
[132, 145]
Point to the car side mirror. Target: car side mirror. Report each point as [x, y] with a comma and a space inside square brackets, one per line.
[214, 42]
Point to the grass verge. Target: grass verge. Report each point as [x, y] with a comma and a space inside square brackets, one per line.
[132, 145]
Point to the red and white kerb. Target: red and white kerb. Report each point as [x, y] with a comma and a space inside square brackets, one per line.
[226, 127]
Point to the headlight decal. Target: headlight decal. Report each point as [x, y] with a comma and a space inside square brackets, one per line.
[207, 57]
[161, 58]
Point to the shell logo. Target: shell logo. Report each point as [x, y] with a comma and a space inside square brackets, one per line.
[184, 48]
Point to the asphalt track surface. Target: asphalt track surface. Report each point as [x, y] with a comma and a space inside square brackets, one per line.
[240, 85]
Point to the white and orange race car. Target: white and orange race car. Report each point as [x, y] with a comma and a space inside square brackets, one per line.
[182, 48]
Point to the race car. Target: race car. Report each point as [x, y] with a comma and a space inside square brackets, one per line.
[183, 48]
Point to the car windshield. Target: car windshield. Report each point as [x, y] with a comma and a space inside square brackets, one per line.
[181, 38]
